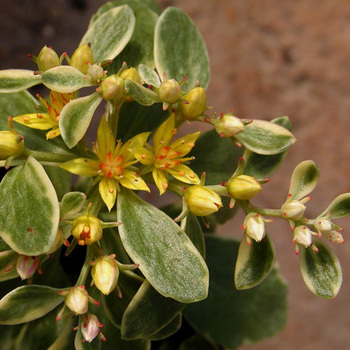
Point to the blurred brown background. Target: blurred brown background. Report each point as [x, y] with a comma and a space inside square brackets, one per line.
[268, 58]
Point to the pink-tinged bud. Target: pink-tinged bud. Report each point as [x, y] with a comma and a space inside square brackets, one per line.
[195, 105]
[90, 329]
[96, 72]
[47, 59]
[82, 58]
[302, 235]
[228, 125]
[254, 226]
[131, 74]
[105, 273]
[77, 300]
[202, 201]
[27, 265]
[243, 187]
[324, 227]
[112, 88]
[169, 91]
[87, 229]
[293, 210]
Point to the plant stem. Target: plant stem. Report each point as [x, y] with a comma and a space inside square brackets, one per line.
[86, 268]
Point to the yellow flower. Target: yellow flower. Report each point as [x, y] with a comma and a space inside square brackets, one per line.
[48, 120]
[112, 165]
[165, 158]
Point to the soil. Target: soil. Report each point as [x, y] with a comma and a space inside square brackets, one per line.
[268, 58]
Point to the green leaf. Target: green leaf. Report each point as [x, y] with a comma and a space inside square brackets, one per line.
[179, 49]
[339, 207]
[321, 271]
[217, 157]
[147, 313]
[4, 246]
[29, 212]
[171, 328]
[194, 231]
[110, 33]
[15, 80]
[28, 303]
[196, 342]
[263, 137]
[254, 262]
[76, 116]
[65, 79]
[72, 203]
[230, 317]
[140, 94]
[148, 75]
[61, 179]
[8, 259]
[150, 236]
[304, 179]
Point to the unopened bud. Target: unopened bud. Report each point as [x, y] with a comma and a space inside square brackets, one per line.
[82, 58]
[202, 201]
[91, 328]
[87, 229]
[195, 105]
[11, 144]
[229, 125]
[96, 72]
[105, 273]
[302, 235]
[254, 226]
[112, 88]
[27, 265]
[47, 59]
[324, 226]
[169, 91]
[77, 300]
[131, 74]
[243, 187]
[293, 210]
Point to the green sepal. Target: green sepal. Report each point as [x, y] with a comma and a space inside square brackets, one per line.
[147, 313]
[29, 212]
[254, 262]
[8, 259]
[27, 303]
[148, 75]
[150, 236]
[15, 80]
[110, 33]
[245, 316]
[140, 94]
[179, 49]
[76, 116]
[72, 203]
[65, 79]
[321, 270]
[304, 179]
[339, 207]
[263, 137]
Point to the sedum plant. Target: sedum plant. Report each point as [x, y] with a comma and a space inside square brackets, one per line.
[92, 261]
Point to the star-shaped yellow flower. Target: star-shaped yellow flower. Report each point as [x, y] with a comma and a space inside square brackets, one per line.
[49, 120]
[112, 164]
[165, 158]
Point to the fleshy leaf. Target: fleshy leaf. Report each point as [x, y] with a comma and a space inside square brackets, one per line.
[321, 271]
[29, 212]
[304, 179]
[245, 316]
[76, 116]
[72, 203]
[172, 327]
[28, 303]
[140, 94]
[15, 80]
[148, 75]
[339, 207]
[194, 231]
[254, 263]
[110, 33]
[165, 254]
[263, 137]
[65, 79]
[179, 49]
[8, 260]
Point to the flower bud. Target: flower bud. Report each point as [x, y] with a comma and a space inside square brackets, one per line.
[11, 144]
[27, 265]
[77, 300]
[91, 328]
[131, 74]
[302, 235]
[169, 91]
[202, 201]
[82, 58]
[324, 227]
[96, 72]
[229, 125]
[112, 88]
[254, 226]
[195, 105]
[47, 59]
[105, 273]
[243, 187]
[293, 210]
[87, 229]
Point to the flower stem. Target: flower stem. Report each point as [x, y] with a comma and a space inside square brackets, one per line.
[86, 267]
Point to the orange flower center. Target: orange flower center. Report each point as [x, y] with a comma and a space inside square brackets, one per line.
[112, 167]
[165, 158]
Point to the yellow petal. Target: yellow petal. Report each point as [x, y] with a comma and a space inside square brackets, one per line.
[53, 133]
[40, 121]
[133, 181]
[108, 190]
[135, 142]
[143, 155]
[185, 144]
[165, 132]
[161, 180]
[184, 173]
[81, 166]
[105, 138]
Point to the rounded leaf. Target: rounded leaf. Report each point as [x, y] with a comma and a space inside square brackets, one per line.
[339, 207]
[15, 80]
